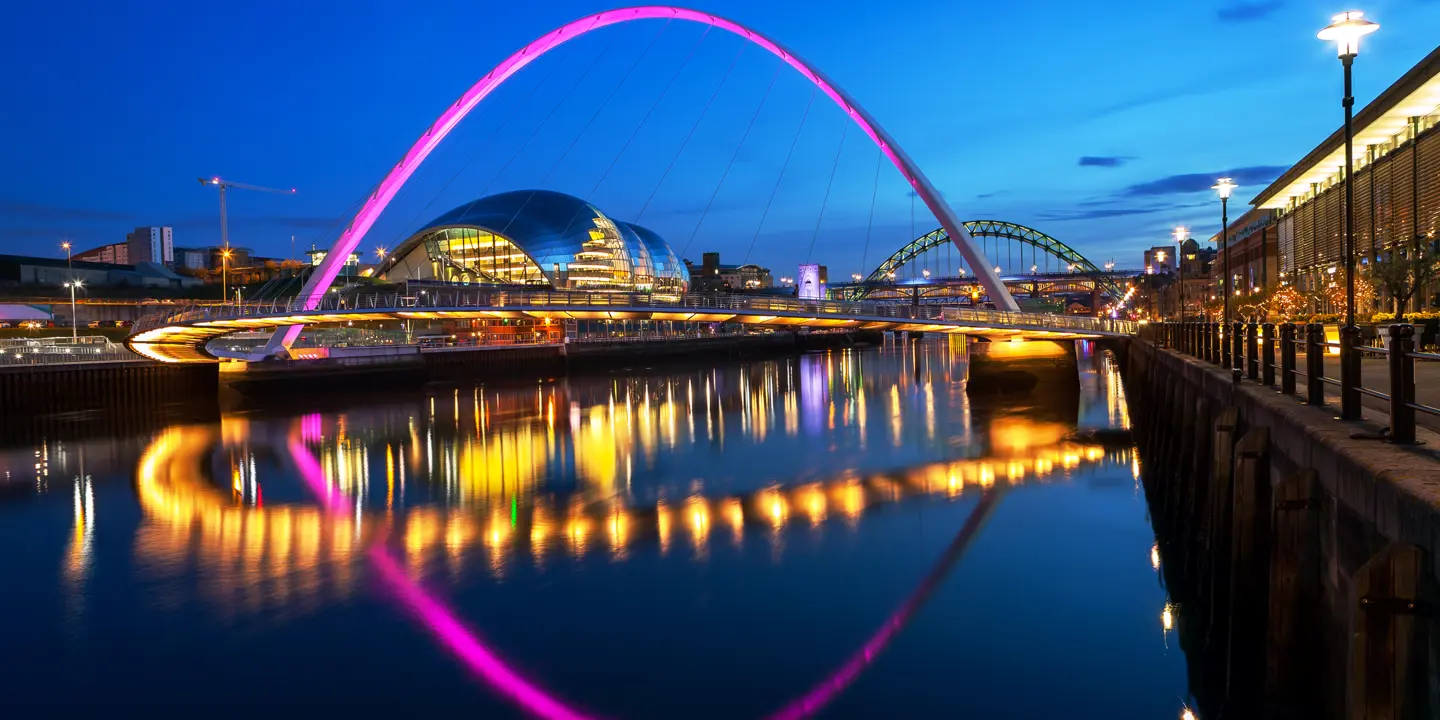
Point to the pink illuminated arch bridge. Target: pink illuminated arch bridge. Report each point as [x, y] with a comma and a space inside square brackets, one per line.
[334, 260]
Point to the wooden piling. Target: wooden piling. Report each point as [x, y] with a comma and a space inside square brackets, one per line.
[1292, 668]
[1389, 669]
[1249, 571]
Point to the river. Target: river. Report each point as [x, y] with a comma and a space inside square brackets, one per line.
[838, 535]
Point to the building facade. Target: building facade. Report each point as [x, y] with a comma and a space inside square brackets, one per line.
[151, 244]
[1251, 245]
[1396, 185]
[538, 238]
[115, 254]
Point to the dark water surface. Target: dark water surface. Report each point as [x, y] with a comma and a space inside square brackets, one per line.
[841, 535]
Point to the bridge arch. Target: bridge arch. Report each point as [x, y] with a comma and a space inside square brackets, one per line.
[994, 229]
[334, 261]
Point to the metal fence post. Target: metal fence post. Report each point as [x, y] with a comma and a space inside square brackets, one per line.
[1402, 384]
[1213, 331]
[1225, 332]
[1252, 350]
[1314, 364]
[1237, 342]
[1267, 356]
[1349, 373]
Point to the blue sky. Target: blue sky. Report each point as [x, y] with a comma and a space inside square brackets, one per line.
[1100, 124]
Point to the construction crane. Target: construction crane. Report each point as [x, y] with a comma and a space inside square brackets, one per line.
[225, 186]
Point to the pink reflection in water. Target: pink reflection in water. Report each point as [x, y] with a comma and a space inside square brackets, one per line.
[823, 693]
[437, 618]
[461, 641]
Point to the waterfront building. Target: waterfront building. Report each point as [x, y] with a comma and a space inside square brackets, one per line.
[114, 253]
[715, 276]
[1160, 260]
[151, 245]
[1251, 244]
[1397, 185]
[537, 238]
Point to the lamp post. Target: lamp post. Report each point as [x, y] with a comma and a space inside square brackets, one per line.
[1346, 29]
[1224, 187]
[74, 319]
[224, 275]
[69, 263]
[1181, 234]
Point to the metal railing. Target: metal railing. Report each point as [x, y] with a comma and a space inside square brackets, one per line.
[1248, 350]
[460, 299]
[61, 351]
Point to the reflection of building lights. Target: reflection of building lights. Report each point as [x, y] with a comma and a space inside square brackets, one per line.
[1155, 556]
[1167, 617]
[1188, 714]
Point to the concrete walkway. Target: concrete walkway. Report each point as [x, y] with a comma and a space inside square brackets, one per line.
[1375, 375]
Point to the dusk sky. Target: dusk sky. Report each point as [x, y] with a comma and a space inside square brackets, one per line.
[1101, 124]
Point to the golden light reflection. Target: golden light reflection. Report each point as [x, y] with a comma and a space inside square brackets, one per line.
[264, 554]
[697, 515]
[1155, 556]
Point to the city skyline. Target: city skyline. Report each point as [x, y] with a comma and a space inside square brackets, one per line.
[255, 99]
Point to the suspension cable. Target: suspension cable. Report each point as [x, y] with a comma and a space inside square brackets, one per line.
[703, 111]
[586, 128]
[870, 224]
[482, 145]
[824, 201]
[776, 190]
[726, 173]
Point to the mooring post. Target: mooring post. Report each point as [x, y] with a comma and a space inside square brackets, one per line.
[1292, 650]
[1390, 642]
[1314, 364]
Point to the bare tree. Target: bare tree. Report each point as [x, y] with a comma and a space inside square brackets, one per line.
[1403, 272]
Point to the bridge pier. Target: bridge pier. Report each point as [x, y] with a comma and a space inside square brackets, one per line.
[1003, 367]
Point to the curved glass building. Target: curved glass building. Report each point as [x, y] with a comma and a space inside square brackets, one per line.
[536, 237]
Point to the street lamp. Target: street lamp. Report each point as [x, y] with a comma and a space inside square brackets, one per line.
[69, 264]
[1346, 29]
[1224, 188]
[74, 320]
[225, 274]
[1181, 235]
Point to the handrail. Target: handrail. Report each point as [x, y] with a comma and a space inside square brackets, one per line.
[1198, 339]
[499, 299]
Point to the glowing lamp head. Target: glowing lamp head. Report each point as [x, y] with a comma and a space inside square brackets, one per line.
[1182, 234]
[1345, 30]
[65, 245]
[1224, 188]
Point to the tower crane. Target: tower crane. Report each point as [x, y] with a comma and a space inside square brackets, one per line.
[225, 186]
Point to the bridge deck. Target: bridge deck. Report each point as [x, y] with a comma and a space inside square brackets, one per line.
[181, 335]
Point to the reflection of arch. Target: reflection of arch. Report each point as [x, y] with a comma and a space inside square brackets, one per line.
[453, 633]
[319, 282]
[994, 229]
[167, 487]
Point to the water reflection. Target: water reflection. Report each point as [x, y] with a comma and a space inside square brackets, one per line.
[278, 515]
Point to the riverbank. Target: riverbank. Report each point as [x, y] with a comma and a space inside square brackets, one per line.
[1296, 547]
[45, 391]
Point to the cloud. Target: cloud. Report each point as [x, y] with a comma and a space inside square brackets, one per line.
[1254, 176]
[983, 196]
[1104, 161]
[1243, 11]
[1114, 210]
[50, 213]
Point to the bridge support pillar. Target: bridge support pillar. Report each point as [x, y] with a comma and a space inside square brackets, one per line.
[1024, 367]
